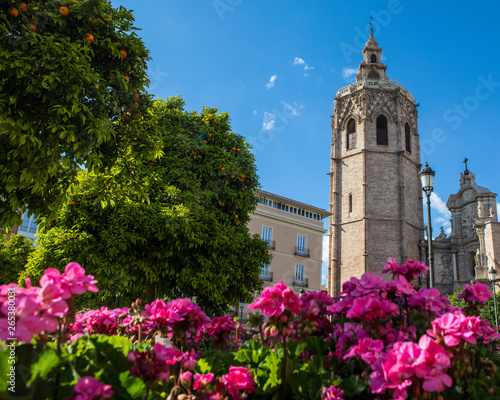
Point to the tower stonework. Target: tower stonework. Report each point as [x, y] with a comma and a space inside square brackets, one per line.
[375, 191]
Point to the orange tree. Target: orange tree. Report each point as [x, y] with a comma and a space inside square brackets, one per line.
[69, 70]
[188, 239]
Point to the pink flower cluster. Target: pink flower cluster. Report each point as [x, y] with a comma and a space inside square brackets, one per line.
[221, 332]
[102, 321]
[179, 319]
[453, 328]
[237, 384]
[280, 304]
[332, 393]
[314, 310]
[88, 388]
[409, 364]
[409, 271]
[38, 309]
[475, 292]
[275, 300]
[159, 364]
[431, 301]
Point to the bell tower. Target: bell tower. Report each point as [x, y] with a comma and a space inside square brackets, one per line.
[375, 191]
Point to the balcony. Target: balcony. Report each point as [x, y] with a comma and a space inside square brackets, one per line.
[301, 251]
[266, 276]
[271, 244]
[299, 281]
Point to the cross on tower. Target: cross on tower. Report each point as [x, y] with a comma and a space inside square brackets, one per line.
[371, 24]
[466, 172]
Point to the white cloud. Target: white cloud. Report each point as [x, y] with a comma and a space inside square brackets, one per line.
[268, 122]
[300, 61]
[347, 73]
[254, 112]
[443, 215]
[270, 84]
[292, 110]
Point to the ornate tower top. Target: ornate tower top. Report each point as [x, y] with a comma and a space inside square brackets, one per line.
[372, 68]
[371, 73]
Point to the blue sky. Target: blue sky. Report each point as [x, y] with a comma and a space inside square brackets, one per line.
[275, 67]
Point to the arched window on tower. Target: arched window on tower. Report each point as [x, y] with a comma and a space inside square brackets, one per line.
[351, 134]
[373, 58]
[373, 75]
[408, 137]
[382, 137]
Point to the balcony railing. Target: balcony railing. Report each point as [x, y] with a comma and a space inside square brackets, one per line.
[271, 244]
[266, 276]
[298, 281]
[301, 251]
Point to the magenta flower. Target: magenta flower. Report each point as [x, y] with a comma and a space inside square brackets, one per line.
[454, 327]
[432, 364]
[88, 388]
[475, 292]
[430, 300]
[220, 332]
[201, 381]
[372, 307]
[179, 319]
[238, 382]
[275, 300]
[332, 393]
[367, 349]
[410, 270]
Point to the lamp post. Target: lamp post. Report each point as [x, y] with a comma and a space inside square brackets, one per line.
[426, 175]
[242, 306]
[492, 273]
[302, 292]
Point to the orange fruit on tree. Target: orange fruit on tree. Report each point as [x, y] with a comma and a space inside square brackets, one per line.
[73, 202]
[123, 53]
[126, 78]
[23, 7]
[236, 216]
[223, 169]
[237, 149]
[89, 38]
[13, 12]
[63, 10]
[33, 27]
[234, 148]
[232, 176]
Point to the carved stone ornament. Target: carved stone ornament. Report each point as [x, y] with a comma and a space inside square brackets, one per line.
[468, 219]
[446, 274]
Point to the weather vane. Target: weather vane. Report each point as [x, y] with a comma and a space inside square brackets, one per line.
[466, 172]
[371, 24]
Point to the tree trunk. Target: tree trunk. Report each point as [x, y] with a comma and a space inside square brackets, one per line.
[150, 293]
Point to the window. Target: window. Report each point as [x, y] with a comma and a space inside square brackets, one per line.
[408, 137]
[300, 272]
[301, 242]
[350, 202]
[267, 234]
[373, 75]
[351, 134]
[373, 58]
[382, 138]
[264, 270]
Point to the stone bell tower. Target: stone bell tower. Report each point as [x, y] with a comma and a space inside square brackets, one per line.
[375, 191]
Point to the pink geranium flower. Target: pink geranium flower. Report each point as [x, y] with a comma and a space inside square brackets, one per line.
[332, 393]
[475, 292]
[89, 388]
[238, 382]
[275, 300]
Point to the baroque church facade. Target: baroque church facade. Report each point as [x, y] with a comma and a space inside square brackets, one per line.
[376, 194]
